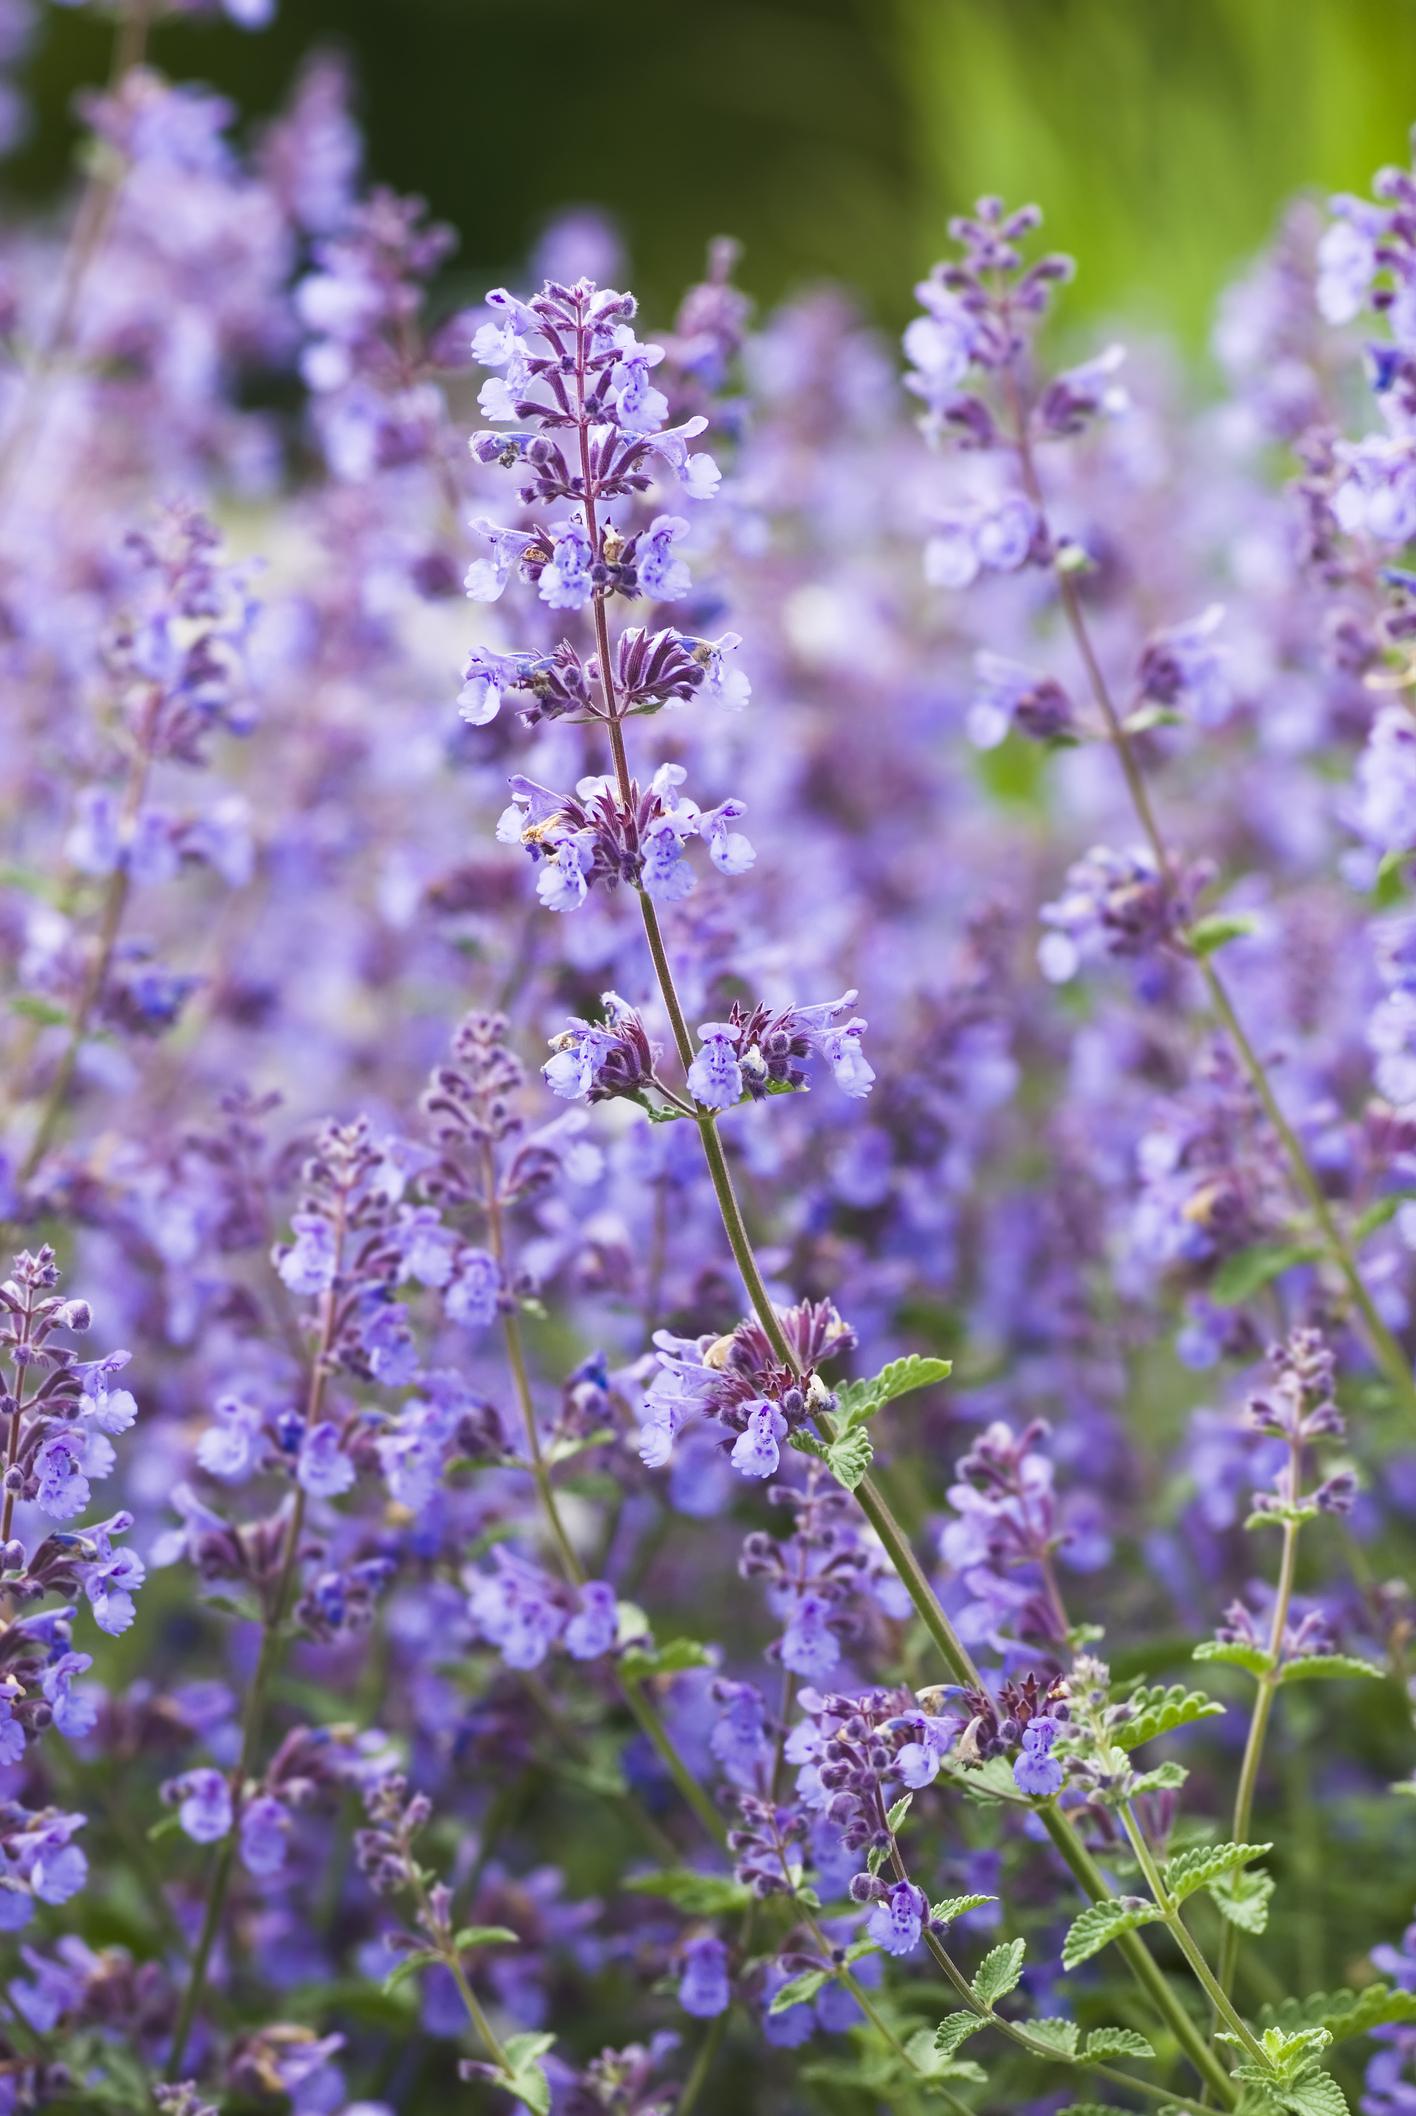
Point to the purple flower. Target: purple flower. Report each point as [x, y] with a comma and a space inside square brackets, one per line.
[1037, 1771]
[74, 1714]
[59, 1465]
[896, 1923]
[307, 1266]
[236, 1443]
[265, 1829]
[474, 1290]
[204, 1808]
[593, 1628]
[703, 1985]
[715, 1077]
[810, 1646]
[661, 574]
[323, 1468]
[755, 1452]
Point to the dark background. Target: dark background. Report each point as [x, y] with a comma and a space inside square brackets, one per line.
[833, 136]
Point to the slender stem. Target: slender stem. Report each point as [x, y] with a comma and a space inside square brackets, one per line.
[640, 1707]
[1138, 1957]
[475, 2014]
[1387, 1350]
[954, 1653]
[1170, 1911]
[1264, 1698]
[271, 1649]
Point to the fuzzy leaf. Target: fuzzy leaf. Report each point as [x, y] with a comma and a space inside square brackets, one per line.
[1101, 1923]
[1319, 1667]
[1314, 2093]
[671, 1658]
[409, 1966]
[1346, 2013]
[485, 1936]
[1193, 1870]
[954, 2030]
[899, 1811]
[800, 1990]
[529, 2085]
[1158, 1711]
[1243, 1898]
[1248, 1271]
[1234, 1654]
[1105, 2043]
[858, 1400]
[956, 1907]
[1165, 1778]
[1060, 2036]
[1216, 931]
[998, 1972]
[696, 1895]
[524, 2049]
[848, 1457]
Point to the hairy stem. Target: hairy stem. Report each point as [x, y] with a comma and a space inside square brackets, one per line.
[1170, 1911]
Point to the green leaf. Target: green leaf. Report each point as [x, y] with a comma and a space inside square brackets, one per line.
[409, 1966]
[1346, 2013]
[1248, 1271]
[1101, 1923]
[43, 1011]
[999, 1972]
[1319, 1667]
[849, 1457]
[1378, 1215]
[485, 1936]
[954, 2030]
[856, 1401]
[1159, 1711]
[572, 1444]
[1104, 2043]
[1243, 1898]
[1315, 2093]
[956, 1907]
[1193, 1870]
[696, 1895]
[1165, 1778]
[676, 1654]
[1216, 931]
[1059, 2036]
[530, 2086]
[1234, 1654]
[898, 1812]
[800, 1990]
[525, 2048]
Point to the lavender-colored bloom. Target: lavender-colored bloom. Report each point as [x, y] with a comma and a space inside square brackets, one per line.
[592, 1629]
[204, 1806]
[896, 1924]
[703, 1984]
[1037, 1772]
[715, 1077]
[473, 1293]
[63, 1488]
[755, 1452]
[264, 1833]
[323, 1468]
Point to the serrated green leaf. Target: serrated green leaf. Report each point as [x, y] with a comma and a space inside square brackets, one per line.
[1234, 1654]
[676, 1654]
[1216, 931]
[409, 1966]
[697, 1895]
[1320, 1667]
[800, 1990]
[43, 1011]
[1248, 1271]
[1190, 1871]
[1159, 1711]
[1345, 2013]
[1101, 1923]
[954, 2030]
[1059, 2036]
[957, 1907]
[858, 1400]
[1165, 1778]
[1104, 2043]
[1314, 2093]
[525, 2048]
[807, 1444]
[999, 1971]
[530, 2086]
[849, 1457]
[1243, 1898]
[485, 1936]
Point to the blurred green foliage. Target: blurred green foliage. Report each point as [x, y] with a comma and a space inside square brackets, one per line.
[834, 137]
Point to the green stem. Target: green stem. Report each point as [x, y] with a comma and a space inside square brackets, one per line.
[1384, 1345]
[1138, 1957]
[1170, 1911]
